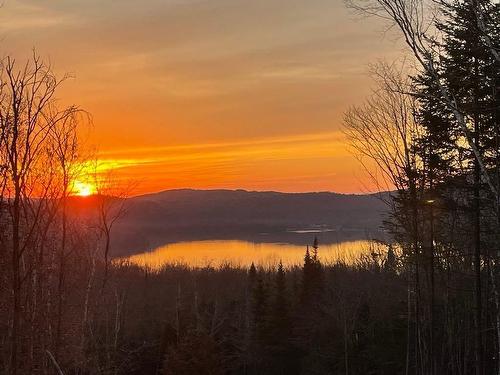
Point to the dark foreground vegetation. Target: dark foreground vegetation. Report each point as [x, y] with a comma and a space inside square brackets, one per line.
[306, 320]
[313, 319]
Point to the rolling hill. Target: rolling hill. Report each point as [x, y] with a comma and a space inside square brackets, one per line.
[179, 215]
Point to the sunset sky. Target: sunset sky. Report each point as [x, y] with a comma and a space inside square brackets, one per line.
[209, 93]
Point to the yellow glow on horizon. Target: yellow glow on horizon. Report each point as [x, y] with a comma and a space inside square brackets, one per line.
[307, 162]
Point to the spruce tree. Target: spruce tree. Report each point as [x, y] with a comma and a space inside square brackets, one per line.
[312, 276]
[260, 309]
[390, 264]
[307, 277]
[450, 171]
[281, 351]
[280, 319]
[252, 276]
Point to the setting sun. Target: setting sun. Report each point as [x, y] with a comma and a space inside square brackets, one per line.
[83, 189]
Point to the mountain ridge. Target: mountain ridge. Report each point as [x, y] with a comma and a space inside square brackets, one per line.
[193, 190]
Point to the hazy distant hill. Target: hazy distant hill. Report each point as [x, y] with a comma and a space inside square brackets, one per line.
[176, 215]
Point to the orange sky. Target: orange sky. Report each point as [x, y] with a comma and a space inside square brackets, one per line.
[209, 93]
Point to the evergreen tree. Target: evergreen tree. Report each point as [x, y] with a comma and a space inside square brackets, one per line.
[390, 264]
[260, 299]
[260, 310]
[318, 269]
[312, 274]
[450, 171]
[280, 318]
[252, 276]
[307, 277]
[283, 360]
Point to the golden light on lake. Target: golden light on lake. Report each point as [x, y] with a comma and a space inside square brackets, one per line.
[244, 253]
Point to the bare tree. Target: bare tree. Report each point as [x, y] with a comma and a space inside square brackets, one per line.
[414, 19]
[64, 146]
[111, 197]
[28, 116]
[384, 130]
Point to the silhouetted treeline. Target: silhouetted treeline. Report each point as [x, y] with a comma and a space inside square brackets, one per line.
[313, 319]
[434, 134]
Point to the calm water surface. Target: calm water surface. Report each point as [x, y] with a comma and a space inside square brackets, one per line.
[243, 253]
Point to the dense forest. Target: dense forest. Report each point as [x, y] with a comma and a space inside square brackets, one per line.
[426, 302]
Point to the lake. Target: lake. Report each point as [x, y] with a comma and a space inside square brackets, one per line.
[243, 253]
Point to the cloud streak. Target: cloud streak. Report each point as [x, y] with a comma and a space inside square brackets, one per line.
[207, 80]
[295, 163]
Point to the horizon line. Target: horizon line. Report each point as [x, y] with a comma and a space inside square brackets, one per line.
[256, 191]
